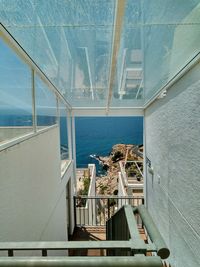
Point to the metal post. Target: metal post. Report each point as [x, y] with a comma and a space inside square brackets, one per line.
[10, 253]
[34, 115]
[108, 208]
[44, 253]
[69, 134]
[75, 220]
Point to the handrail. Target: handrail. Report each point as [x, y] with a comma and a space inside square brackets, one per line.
[61, 245]
[153, 232]
[137, 261]
[125, 219]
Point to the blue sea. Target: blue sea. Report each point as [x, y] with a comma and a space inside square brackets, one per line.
[94, 135]
[98, 135]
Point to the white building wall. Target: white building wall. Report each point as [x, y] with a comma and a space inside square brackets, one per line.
[32, 193]
[172, 127]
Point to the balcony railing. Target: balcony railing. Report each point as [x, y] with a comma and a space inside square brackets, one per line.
[127, 249]
[96, 210]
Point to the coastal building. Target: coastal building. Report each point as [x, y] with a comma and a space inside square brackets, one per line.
[60, 60]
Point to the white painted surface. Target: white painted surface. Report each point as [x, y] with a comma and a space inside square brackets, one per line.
[87, 214]
[32, 193]
[172, 126]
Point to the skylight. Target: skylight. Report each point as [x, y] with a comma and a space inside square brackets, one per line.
[72, 42]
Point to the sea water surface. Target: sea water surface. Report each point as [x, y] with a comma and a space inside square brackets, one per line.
[97, 135]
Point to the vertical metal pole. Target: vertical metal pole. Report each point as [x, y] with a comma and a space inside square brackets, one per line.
[108, 209]
[57, 111]
[74, 140]
[89, 206]
[74, 149]
[145, 163]
[10, 253]
[34, 115]
[92, 211]
[96, 211]
[84, 210]
[44, 253]
[75, 220]
[69, 134]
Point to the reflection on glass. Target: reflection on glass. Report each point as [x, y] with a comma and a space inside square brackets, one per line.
[71, 41]
[15, 95]
[46, 107]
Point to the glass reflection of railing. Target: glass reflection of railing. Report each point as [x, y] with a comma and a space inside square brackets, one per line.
[64, 152]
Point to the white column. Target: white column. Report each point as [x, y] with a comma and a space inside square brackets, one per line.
[74, 149]
[34, 115]
[69, 134]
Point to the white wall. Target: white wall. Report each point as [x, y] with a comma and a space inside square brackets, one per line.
[32, 193]
[172, 127]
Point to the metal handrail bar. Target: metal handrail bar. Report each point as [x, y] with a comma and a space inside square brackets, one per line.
[153, 232]
[132, 225]
[108, 197]
[60, 245]
[136, 261]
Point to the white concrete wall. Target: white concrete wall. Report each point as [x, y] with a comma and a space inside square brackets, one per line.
[32, 193]
[172, 127]
[87, 215]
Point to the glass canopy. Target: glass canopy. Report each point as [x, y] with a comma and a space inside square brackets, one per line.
[74, 43]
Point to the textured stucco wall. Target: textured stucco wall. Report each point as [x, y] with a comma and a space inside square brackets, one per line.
[32, 193]
[172, 127]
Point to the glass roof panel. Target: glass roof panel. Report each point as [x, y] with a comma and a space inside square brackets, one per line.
[158, 39]
[71, 41]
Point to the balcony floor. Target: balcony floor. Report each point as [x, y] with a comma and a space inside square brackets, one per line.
[93, 233]
[88, 234]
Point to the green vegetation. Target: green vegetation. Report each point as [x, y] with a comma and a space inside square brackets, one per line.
[86, 185]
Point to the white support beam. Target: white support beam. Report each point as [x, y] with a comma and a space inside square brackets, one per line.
[118, 22]
[89, 70]
[48, 43]
[34, 115]
[66, 42]
[74, 151]
[141, 85]
[120, 88]
[69, 135]
[113, 112]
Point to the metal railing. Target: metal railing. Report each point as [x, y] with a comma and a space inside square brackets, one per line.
[96, 210]
[123, 226]
[118, 244]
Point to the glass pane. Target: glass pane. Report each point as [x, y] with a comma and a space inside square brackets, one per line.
[15, 95]
[46, 106]
[71, 41]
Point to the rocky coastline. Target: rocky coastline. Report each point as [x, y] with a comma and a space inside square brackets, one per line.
[108, 183]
